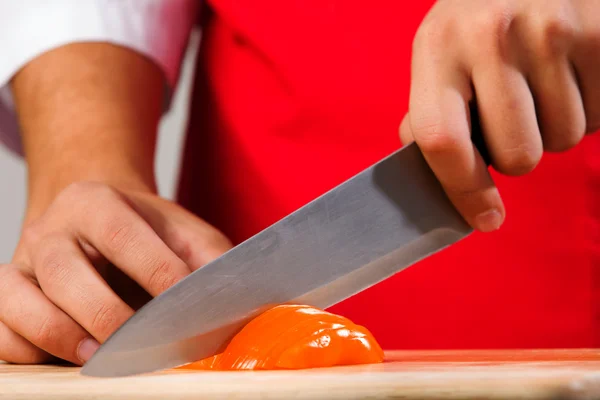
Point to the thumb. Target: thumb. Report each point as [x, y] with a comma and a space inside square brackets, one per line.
[192, 239]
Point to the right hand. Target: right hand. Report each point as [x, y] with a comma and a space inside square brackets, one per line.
[83, 267]
[531, 68]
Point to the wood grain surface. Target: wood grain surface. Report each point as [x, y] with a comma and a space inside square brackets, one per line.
[518, 374]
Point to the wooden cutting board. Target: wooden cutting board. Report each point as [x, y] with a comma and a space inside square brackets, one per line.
[523, 374]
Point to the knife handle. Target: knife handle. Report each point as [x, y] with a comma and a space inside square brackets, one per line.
[477, 134]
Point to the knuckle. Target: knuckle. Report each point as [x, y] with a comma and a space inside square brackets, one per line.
[50, 265]
[77, 190]
[104, 320]
[45, 333]
[84, 191]
[491, 29]
[497, 22]
[118, 235]
[105, 193]
[180, 246]
[553, 36]
[435, 138]
[434, 33]
[519, 160]
[161, 276]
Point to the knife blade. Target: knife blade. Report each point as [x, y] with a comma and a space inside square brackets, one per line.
[381, 221]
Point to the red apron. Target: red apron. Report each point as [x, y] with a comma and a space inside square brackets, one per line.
[293, 97]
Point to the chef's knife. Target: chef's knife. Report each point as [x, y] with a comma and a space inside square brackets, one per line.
[365, 230]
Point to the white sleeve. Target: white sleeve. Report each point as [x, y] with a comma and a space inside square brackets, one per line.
[159, 29]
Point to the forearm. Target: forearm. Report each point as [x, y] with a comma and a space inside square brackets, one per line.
[88, 111]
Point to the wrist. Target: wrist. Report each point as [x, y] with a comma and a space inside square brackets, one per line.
[44, 187]
[88, 112]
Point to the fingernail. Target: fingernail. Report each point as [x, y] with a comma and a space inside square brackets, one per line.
[87, 348]
[488, 221]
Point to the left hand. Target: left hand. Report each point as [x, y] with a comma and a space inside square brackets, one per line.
[533, 67]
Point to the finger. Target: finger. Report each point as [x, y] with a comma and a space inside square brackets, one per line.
[193, 240]
[126, 240]
[406, 135]
[71, 282]
[25, 310]
[439, 121]
[554, 86]
[560, 108]
[586, 61]
[507, 117]
[15, 349]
